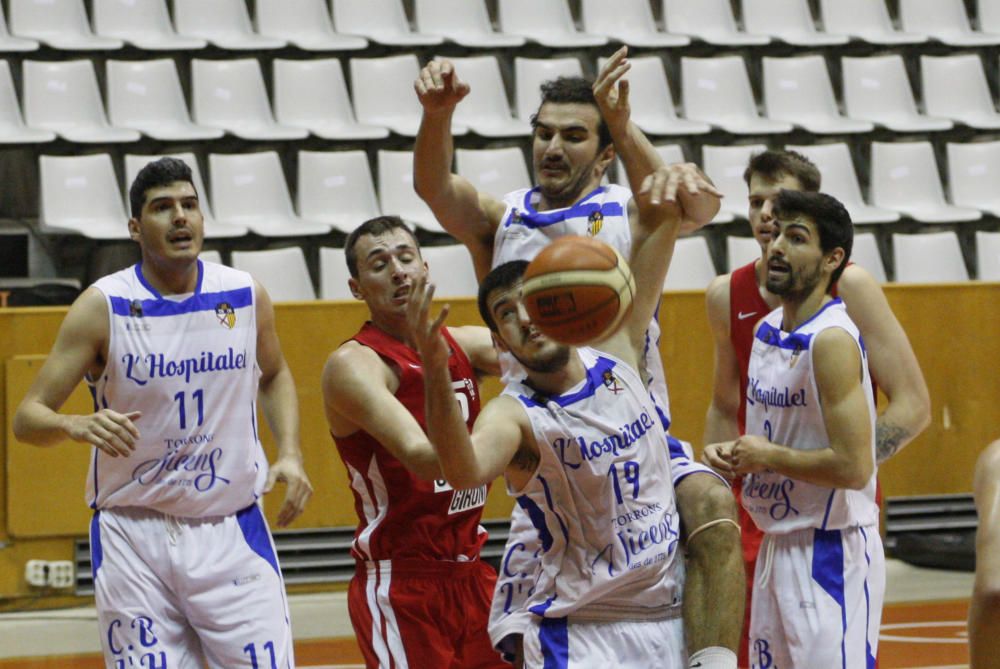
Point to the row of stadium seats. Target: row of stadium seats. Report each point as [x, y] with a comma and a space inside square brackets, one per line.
[349, 24]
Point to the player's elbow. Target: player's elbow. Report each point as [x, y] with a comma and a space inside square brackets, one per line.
[856, 475]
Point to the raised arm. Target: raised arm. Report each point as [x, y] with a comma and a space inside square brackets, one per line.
[984, 609]
[721, 422]
[893, 365]
[477, 342]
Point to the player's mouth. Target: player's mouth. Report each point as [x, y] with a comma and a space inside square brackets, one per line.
[554, 168]
[778, 268]
[402, 294]
[182, 239]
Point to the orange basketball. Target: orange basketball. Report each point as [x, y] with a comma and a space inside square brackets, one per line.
[578, 290]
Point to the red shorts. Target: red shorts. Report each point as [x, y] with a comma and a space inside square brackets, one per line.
[423, 615]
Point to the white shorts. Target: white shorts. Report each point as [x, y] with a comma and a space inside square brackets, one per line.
[183, 592]
[817, 599]
[554, 643]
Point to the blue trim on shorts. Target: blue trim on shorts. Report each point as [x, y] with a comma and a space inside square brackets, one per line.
[255, 532]
[828, 572]
[96, 550]
[676, 448]
[553, 638]
[869, 658]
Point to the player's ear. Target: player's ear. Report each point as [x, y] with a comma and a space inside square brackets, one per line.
[605, 158]
[133, 229]
[355, 288]
[834, 258]
[498, 343]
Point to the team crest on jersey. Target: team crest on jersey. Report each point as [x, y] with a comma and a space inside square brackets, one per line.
[611, 382]
[226, 314]
[594, 223]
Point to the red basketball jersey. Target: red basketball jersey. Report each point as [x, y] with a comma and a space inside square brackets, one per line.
[746, 307]
[399, 515]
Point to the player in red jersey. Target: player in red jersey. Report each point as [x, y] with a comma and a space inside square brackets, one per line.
[420, 596]
[738, 300]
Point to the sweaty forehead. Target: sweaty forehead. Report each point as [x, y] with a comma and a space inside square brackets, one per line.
[561, 115]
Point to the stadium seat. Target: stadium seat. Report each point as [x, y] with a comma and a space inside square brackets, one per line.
[80, 195]
[929, 257]
[282, 272]
[224, 23]
[711, 21]
[945, 21]
[312, 94]
[213, 228]
[548, 22]
[798, 90]
[396, 194]
[450, 270]
[333, 274]
[789, 21]
[670, 153]
[717, 91]
[988, 15]
[905, 177]
[988, 255]
[725, 165]
[9, 43]
[495, 172]
[628, 21]
[62, 96]
[866, 20]
[60, 24]
[465, 22]
[305, 24]
[955, 87]
[249, 189]
[877, 89]
[486, 110]
[651, 102]
[336, 188]
[740, 251]
[230, 94]
[12, 127]
[531, 73]
[146, 95]
[841, 181]
[382, 21]
[974, 171]
[142, 23]
[691, 266]
[866, 254]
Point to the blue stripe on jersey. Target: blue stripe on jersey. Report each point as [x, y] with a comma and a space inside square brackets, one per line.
[595, 378]
[254, 528]
[154, 291]
[236, 298]
[869, 658]
[771, 336]
[93, 505]
[676, 448]
[540, 609]
[829, 506]
[828, 572]
[96, 551]
[553, 637]
[537, 517]
[532, 218]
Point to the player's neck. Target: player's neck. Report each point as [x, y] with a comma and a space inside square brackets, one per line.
[170, 277]
[549, 203]
[561, 380]
[797, 310]
[393, 325]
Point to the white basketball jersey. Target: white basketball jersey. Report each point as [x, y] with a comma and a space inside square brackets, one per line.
[189, 364]
[601, 498]
[783, 405]
[603, 214]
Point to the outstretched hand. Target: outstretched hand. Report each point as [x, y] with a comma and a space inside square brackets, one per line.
[438, 86]
[426, 334]
[611, 91]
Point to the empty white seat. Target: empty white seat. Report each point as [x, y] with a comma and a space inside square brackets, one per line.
[79, 194]
[929, 257]
[61, 24]
[955, 87]
[382, 21]
[974, 171]
[548, 22]
[788, 20]
[628, 21]
[717, 91]
[312, 94]
[304, 23]
[382, 92]
[396, 194]
[691, 266]
[333, 274]
[62, 96]
[866, 20]
[146, 95]
[988, 14]
[493, 171]
[282, 272]
[725, 166]
[988, 255]
[249, 189]
[213, 228]
[485, 110]
[841, 181]
[450, 270]
[740, 251]
[711, 21]
[905, 177]
[798, 90]
[12, 127]
[336, 188]
[670, 153]
[144, 23]
[531, 73]
[866, 254]
[224, 23]
[211, 256]
[230, 94]
[9, 43]
[651, 102]
[464, 22]
[877, 89]
[944, 20]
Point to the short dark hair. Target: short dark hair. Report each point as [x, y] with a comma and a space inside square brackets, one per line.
[373, 226]
[831, 217]
[162, 172]
[773, 164]
[501, 276]
[569, 90]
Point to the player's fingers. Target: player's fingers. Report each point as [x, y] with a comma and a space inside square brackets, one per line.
[419, 87]
[434, 68]
[653, 186]
[123, 426]
[439, 321]
[670, 189]
[623, 88]
[109, 442]
[462, 88]
[272, 477]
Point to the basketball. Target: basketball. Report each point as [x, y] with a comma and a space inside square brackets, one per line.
[578, 290]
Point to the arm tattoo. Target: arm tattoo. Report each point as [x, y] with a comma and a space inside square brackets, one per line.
[525, 459]
[889, 439]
